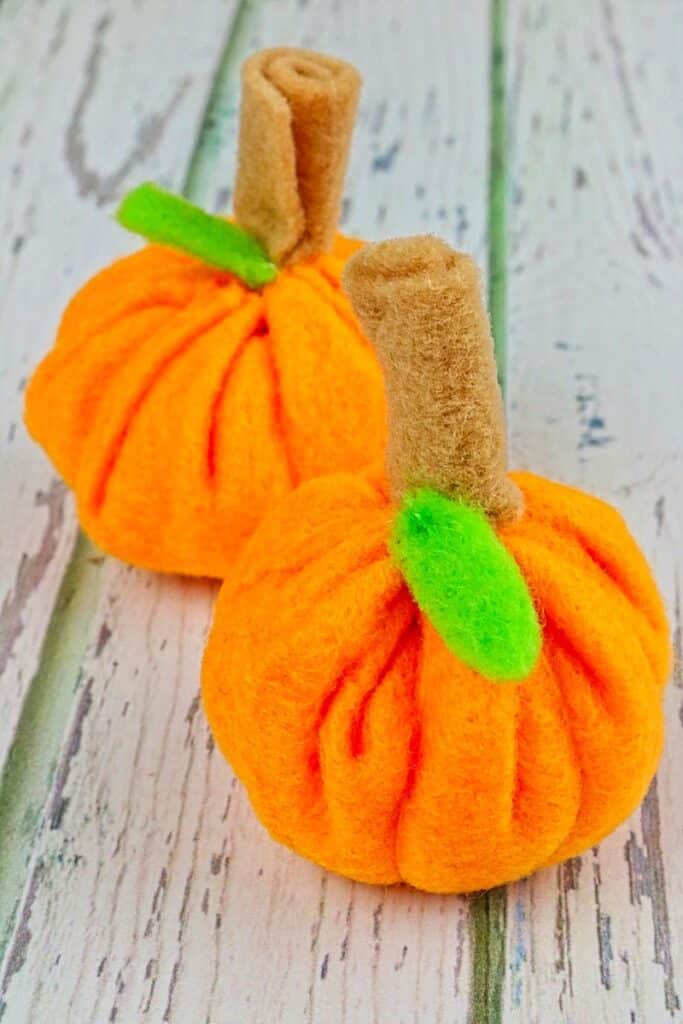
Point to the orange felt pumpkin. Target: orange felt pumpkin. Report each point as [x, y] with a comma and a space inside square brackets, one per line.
[179, 401]
[381, 746]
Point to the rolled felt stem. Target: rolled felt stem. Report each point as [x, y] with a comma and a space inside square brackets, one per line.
[297, 114]
[420, 302]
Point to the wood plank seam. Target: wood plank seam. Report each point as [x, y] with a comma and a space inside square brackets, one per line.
[488, 912]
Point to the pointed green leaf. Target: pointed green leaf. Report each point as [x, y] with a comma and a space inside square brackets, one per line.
[468, 585]
[167, 219]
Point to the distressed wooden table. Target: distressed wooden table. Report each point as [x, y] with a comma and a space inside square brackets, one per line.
[135, 884]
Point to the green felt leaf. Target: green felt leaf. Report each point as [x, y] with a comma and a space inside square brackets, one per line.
[162, 217]
[467, 584]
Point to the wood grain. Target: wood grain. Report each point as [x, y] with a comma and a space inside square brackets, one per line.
[595, 325]
[151, 892]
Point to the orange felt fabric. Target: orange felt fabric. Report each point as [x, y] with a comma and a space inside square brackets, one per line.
[367, 747]
[178, 404]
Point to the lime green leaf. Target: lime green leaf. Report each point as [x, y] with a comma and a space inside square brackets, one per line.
[162, 217]
[467, 584]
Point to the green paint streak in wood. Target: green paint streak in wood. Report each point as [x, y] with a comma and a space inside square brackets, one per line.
[29, 770]
[30, 765]
[221, 111]
[488, 911]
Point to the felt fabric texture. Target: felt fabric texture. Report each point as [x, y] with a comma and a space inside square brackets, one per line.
[179, 405]
[420, 303]
[368, 747]
[159, 216]
[467, 584]
[297, 115]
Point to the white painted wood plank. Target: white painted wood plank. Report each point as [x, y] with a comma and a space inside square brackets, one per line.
[93, 98]
[596, 332]
[154, 894]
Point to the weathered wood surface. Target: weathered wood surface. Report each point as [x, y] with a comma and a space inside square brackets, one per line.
[143, 887]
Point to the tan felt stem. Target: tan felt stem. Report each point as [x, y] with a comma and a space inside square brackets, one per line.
[297, 115]
[420, 302]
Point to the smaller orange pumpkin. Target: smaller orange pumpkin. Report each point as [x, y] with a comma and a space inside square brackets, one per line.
[455, 685]
[188, 390]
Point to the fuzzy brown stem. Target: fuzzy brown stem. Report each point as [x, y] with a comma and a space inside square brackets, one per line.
[420, 303]
[297, 115]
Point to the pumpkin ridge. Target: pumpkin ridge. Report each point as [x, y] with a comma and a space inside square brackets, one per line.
[580, 534]
[356, 743]
[118, 317]
[279, 410]
[328, 700]
[622, 599]
[621, 586]
[597, 685]
[331, 265]
[414, 748]
[61, 357]
[526, 697]
[108, 465]
[516, 784]
[402, 640]
[598, 688]
[93, 336]
[218, 401]
[577, 767]
[369, 560]
[555, 641]
[330, 275]
[560, 642]
[248, 582]
[573, 746]
[44, 390]
[307, 274]
[174, 286]
[565, 724]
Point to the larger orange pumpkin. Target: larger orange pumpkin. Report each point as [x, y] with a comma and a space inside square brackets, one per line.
[178, 402]
[367, 743]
